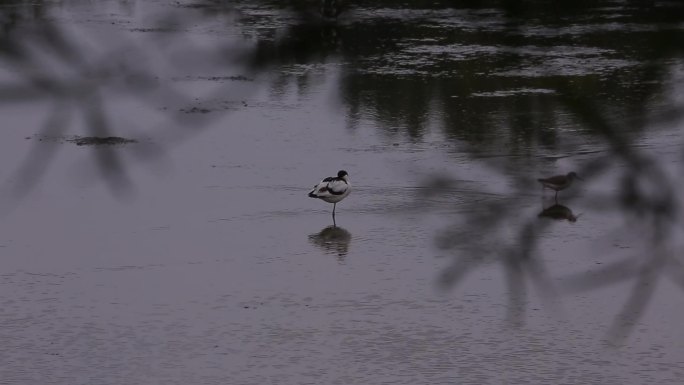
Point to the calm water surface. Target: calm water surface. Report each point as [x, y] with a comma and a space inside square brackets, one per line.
[213, 267]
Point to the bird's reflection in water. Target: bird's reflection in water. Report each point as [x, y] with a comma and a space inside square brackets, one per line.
[558, 212]
[333, 240]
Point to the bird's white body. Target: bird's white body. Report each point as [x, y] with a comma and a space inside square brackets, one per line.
[332, 189]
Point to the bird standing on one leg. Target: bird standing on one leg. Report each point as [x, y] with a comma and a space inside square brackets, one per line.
[332, 189]
[559, 182]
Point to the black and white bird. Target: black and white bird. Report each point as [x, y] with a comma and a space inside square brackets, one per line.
[332, 189]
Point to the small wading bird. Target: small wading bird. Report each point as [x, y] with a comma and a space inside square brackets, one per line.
[332, 189]
[559, 182]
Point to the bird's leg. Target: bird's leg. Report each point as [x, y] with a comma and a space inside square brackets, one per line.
[556, 197]
[334, 205]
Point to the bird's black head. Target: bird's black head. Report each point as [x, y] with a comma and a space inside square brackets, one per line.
[341, 174]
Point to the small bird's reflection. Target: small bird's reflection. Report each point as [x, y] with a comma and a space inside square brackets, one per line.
[558, 212]
[333, 240]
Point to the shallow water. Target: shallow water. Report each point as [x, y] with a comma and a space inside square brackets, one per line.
[212, 266]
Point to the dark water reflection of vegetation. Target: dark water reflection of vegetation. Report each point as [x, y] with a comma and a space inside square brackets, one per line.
[511, 75]
[491, 72]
